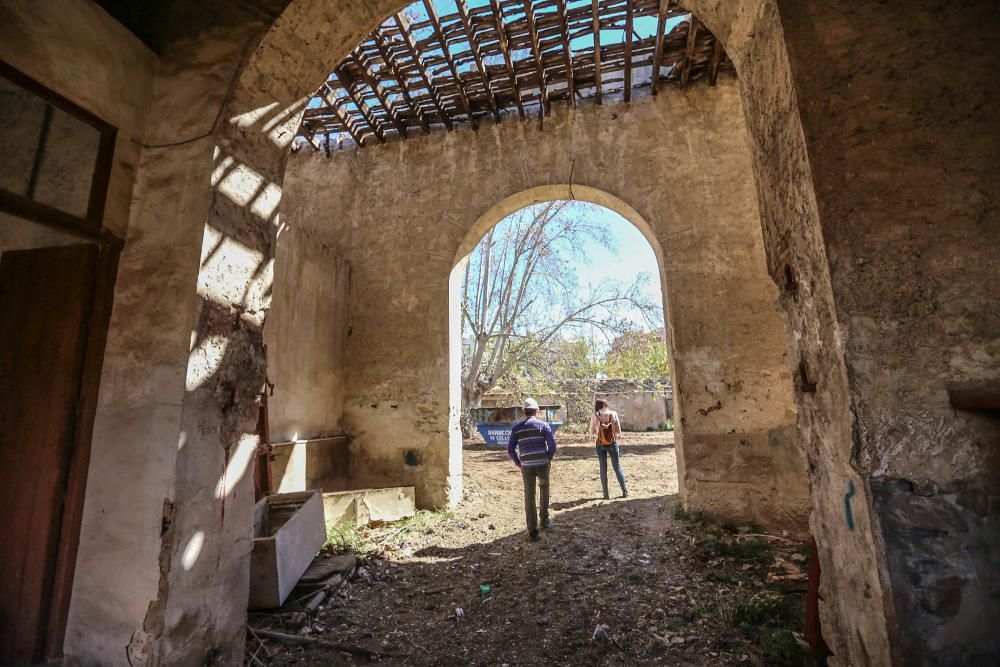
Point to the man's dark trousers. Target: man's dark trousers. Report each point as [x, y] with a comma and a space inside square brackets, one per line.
[531, 513]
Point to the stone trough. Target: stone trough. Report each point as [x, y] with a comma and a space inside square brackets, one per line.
[288, 532]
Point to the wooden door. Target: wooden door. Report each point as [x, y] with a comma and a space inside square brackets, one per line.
[46, 299]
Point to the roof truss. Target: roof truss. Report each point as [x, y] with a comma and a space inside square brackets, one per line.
[425, 68]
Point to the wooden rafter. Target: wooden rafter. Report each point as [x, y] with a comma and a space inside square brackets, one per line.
[419, 73]
[597, 51]
[505, 51]
[692, 39]
[463, 12]
[418, 62]
[567, 52]
[713, 68]
[436, 25]
[347, 82]
[628, 50]
[338, 109]
[380, 93]
[386, 52]
[529, 15]
[661, 22]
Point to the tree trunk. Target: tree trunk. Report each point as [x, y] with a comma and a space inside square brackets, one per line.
[470, 399]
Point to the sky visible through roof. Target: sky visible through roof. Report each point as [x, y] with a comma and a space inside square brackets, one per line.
[643, 26]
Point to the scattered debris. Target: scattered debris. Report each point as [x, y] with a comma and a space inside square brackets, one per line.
[313, 641]
[662, 586]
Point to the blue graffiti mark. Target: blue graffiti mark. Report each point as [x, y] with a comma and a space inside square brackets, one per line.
[847, 504]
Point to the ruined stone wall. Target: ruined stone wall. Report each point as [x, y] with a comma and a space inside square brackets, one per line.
[305, 334]
[903, 137]
[404, 212]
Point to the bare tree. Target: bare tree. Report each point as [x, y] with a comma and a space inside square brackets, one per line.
[520, 294]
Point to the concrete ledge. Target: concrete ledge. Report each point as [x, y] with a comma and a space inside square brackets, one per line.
[363, 506]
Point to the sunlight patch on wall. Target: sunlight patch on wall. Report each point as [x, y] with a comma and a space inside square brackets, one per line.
[204, 360]
[240, 459]
[249, 118]
[231, 273]
[245, 187]
[192, 550]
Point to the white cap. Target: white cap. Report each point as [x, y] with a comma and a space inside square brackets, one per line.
[530, 404]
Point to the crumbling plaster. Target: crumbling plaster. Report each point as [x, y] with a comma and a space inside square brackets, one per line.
[383, 208]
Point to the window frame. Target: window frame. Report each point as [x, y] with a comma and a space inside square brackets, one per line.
[89, 227]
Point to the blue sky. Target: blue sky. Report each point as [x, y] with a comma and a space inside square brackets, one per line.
[632, 258]
[633, 255]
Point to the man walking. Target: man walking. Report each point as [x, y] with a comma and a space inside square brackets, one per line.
[531, 448]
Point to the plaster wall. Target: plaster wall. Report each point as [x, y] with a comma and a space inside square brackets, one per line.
[639, 411]
[305, 335]
[695, 192]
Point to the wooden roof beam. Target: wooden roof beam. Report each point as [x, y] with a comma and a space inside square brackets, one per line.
[505, 50]
[529, 15]
[436, 25]
[335, 105]
[661, 22]
[380, 92]
[386, 52]
[628, 50]
[567, 53]
[692, 39]
[596, 11]
[411, 46]
[347, 82]
[713, 68]
[463, 12]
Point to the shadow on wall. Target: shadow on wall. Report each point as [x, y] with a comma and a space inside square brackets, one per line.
[235, 283]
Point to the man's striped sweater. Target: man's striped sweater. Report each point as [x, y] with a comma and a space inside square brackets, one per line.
[531, 443]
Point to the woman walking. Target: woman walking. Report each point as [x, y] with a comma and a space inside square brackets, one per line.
[605, 425]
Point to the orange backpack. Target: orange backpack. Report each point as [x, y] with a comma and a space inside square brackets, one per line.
[605, 432]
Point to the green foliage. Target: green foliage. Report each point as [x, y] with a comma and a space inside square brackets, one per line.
[681, 514]
[345, 540]
[746, 550]
[764, 609]
[638, 354]
[779, 648]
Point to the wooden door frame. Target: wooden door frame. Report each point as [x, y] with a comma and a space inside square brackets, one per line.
[83, 431]
[90, 229]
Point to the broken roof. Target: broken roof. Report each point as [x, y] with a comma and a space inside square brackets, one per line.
[440, 63]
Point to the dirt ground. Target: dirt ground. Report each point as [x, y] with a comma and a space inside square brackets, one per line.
[618, 582]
